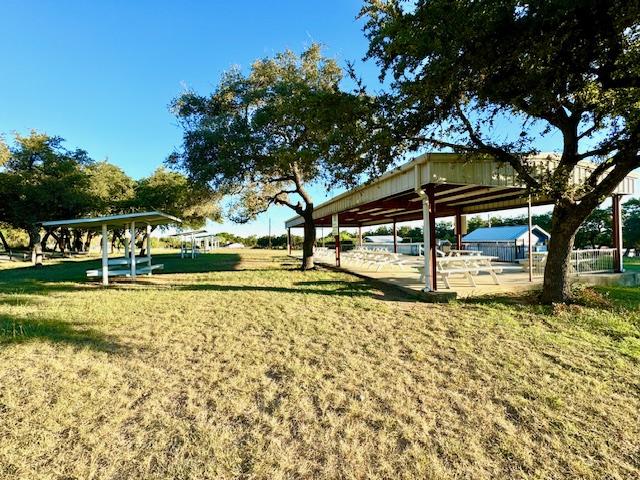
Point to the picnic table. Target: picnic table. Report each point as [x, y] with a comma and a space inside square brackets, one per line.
[466, 265]
[460, 253]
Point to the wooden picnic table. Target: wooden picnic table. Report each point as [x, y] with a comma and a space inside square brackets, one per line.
[466, 265]
[460, 253]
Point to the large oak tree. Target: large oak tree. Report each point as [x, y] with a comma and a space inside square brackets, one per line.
[40, 180]
[461, 69]
[268, 135]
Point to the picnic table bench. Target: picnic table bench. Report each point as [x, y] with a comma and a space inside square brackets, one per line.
[124, 272]
[378, 258]
[468, 266]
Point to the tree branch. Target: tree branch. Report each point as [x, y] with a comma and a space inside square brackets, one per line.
[297, 178]
[498, 153]
[296, 208]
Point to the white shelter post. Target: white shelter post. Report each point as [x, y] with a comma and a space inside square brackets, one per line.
[426, 238]
[395, 237]
[132, 249]
[530, 247]
[105, 255]
[616, 224]
[193, 246]
[149, 248]
[360, 235]
[127, 239]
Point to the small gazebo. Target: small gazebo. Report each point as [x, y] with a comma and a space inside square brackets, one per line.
[188, 242]
[129, 265]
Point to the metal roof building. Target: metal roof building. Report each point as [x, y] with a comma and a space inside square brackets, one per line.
[437, 185]
[504, 234]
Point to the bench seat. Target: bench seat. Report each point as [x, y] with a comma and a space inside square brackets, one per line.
[124, 272]
[127, 261]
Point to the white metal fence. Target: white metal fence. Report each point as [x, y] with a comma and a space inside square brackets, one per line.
[594, 260]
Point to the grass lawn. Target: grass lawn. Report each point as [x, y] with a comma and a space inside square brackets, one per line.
[632, 263]
[237, 365]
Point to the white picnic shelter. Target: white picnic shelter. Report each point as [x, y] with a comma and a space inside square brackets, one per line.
[188, 247]
[129, 265]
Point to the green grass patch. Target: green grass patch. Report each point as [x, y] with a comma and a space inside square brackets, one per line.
[632, 263]
[238, 365]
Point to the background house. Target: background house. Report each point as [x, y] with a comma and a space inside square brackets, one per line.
[508, 243]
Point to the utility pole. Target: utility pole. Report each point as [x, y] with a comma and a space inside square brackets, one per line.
[269, 233]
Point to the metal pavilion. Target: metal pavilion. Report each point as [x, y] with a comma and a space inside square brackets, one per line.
[436, 185]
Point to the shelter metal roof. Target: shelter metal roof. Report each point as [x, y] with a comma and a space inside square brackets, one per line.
[146, 218]
[187, 234]
[458, 185]
[204, 234]
[502, 233]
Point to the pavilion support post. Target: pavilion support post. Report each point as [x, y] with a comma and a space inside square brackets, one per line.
[132, 249]
[426, 238]
[105, 256]
[360, 235]
[432, 239]
[337, 239]
[289, 240]
[458, 230]
[530, 240]
[395, 237]
[616, 224]
[149, 248]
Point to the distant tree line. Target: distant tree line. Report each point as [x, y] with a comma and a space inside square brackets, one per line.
[41, 180]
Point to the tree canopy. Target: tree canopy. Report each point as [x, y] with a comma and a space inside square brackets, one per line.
[42, 180]
[462, 69]
[172, 193]
[266, 136]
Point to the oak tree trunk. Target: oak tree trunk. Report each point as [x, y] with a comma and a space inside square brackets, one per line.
[566, 221]
[45, 239]
[143, 245]
[87, 243]
[4, 242]
[309, 239]
[35, 246]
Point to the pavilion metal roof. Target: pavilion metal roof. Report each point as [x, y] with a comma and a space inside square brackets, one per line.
[146, 218]
[458, 185]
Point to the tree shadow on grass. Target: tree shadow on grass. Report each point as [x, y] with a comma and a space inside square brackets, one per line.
[70, 274]
[336, 288]
[528, 298]
[16, 330]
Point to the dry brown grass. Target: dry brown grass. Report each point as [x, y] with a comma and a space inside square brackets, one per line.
[261, 371]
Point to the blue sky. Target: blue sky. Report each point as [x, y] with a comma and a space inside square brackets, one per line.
[101, 74]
